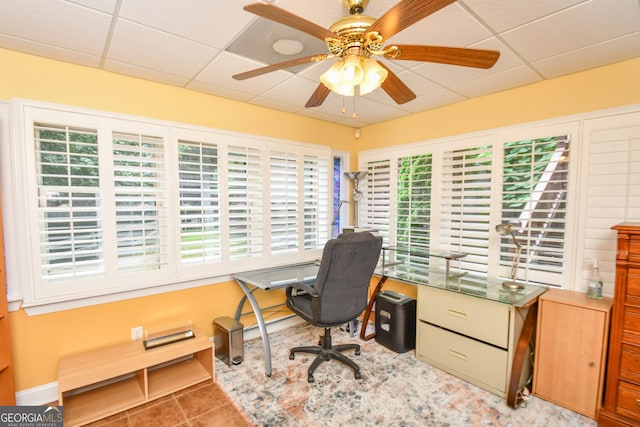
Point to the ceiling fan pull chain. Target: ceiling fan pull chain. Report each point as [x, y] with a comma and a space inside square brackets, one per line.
[354, 107]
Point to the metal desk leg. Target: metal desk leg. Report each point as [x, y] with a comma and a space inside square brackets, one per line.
[248, 295]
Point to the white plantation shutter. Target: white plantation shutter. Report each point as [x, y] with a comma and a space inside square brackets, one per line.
[285, 209]
[140, 202]
[414, 202]
[612, 187]
[534, 200]
[117, 204]
[375, 209]
[199, 203]
[465, 204]
[316, 201]
[69, 205]
[246, 224]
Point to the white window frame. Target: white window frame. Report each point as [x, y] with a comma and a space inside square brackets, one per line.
[19, 186]
[598, 241]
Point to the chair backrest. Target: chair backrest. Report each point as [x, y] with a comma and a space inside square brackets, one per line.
[344, 275]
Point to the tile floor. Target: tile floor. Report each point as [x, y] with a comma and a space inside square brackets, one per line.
[203, 405]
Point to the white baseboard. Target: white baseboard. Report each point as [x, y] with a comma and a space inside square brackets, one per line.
[48, 393]
[40, 395]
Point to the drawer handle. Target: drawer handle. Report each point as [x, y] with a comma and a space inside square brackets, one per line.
[638, 403]
[459, 355]
[457, 313]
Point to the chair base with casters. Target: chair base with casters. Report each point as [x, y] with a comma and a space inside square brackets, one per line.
[326, 351]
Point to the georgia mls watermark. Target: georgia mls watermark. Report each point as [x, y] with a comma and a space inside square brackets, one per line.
[31, 416]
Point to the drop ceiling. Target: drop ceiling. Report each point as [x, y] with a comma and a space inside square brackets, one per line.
[200, 44]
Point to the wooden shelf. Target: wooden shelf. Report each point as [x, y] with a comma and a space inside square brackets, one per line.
[177, 376]
[101, 402]
[102, 382]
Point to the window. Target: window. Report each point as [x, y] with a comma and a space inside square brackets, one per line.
[534, 201]
[70, 222]
[466, 204]
[199, 203]
[451, 197]
[120, 204]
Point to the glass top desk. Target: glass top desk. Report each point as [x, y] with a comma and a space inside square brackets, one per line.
[266, 279]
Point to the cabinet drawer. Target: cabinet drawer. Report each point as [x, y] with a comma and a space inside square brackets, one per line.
[629, 400]
[633, 282]
[631, 321]
[634, 245]
[464, 356]
[485, 320]
[629, 363]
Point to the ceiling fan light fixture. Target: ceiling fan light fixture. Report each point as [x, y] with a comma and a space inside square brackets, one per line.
[343, 76]
[374, 76]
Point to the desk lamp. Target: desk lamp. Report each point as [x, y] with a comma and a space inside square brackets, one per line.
[504, 230]
[357, 194]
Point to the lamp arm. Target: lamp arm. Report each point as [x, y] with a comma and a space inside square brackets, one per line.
[516, 257]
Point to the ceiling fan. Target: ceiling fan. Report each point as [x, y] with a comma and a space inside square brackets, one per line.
[357, 39]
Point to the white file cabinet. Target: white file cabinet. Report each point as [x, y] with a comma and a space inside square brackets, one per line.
[469, 336]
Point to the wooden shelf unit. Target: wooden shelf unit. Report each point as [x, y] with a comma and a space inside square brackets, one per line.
[102, 382]
[571, 350]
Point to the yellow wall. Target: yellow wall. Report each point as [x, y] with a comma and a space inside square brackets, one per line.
[38, 341]
[599, 88]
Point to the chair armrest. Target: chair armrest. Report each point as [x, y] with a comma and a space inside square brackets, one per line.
[301, 288]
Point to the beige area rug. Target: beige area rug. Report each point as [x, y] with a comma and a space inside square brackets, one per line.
[395, 390]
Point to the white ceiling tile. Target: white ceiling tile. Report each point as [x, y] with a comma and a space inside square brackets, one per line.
[220, 71]
[503, 15]
[222, 91]
[144, 73]
[44, 21]
[295, 91]
[431, 100]
[145, 47]
[626, 47]
[451, 26]
[108, 6]
[48, 51]
[496, 82]
[274, 104]
[579, 26]
[213, 23]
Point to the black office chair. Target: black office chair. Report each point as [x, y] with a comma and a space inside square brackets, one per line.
[338, 295]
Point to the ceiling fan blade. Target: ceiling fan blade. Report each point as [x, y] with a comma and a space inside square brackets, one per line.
[478, 58]
[318, 96]
[395, 88]
[275, 67]
[404, 14]
[281, 16]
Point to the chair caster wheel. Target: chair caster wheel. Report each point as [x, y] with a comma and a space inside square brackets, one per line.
[292, 356]
[357, 375]
[310, 378]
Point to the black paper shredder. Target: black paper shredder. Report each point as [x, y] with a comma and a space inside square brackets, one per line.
[228, 336]
[396, 321]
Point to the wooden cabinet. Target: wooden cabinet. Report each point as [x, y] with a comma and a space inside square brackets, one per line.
[473, 338]
[103, 382]
[571, 349]
[622, 390]
[7, 391]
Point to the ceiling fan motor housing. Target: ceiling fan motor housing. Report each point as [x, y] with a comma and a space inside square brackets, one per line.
[355, 6]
